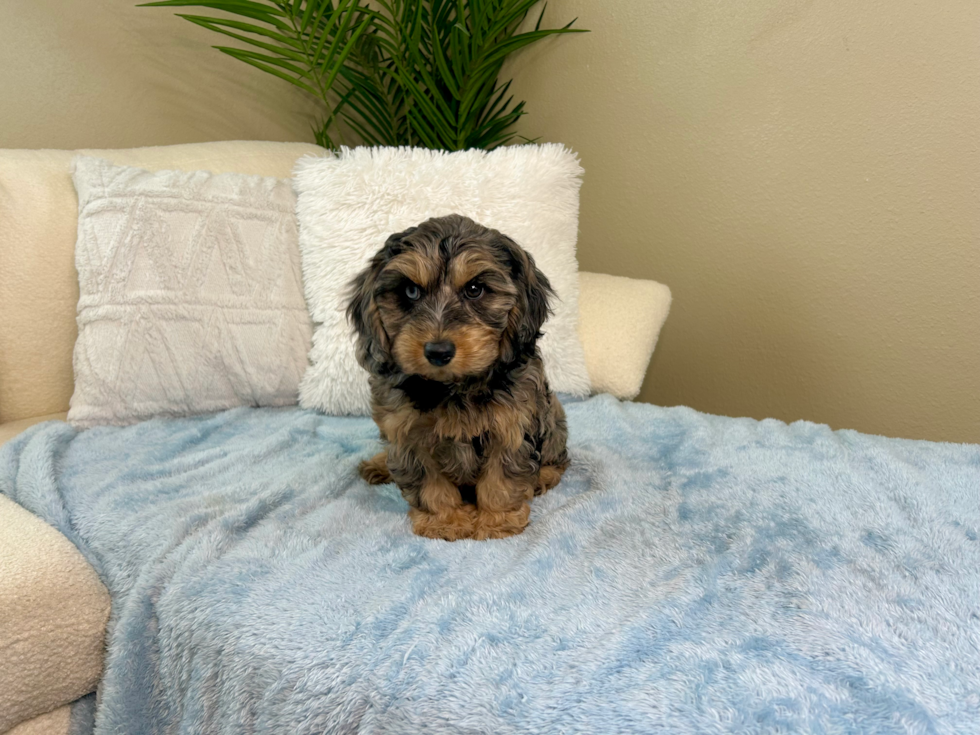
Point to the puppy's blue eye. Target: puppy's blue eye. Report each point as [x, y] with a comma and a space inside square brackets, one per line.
[473, 290]
[413, 292]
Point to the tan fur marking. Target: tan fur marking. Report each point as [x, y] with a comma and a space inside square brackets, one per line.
[502, 507]
[445, 516]
[397, 424]
[477, 348]
[496, 492]
[549, 476]
[450, 526]
[500, 524]
[375, 470]
[468, 264]
[409, 350]
[416, 267]
[506, 423]
[439, 494]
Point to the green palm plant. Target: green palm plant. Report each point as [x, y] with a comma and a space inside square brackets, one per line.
[395, 72]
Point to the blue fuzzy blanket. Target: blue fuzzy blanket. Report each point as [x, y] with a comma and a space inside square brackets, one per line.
[691, 574]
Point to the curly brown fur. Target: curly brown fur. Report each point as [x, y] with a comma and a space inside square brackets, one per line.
[483, 425]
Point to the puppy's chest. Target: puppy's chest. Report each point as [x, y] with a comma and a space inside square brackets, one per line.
[460, 461]
[455, 424]
[441, 428]
[456, 440]
[459, 438]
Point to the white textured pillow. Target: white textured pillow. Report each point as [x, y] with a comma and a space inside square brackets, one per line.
[349, 203]
[190, 293]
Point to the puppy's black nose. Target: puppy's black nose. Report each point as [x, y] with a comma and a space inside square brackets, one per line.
[439, 353]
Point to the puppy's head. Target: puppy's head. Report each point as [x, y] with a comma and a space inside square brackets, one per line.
[447, 300]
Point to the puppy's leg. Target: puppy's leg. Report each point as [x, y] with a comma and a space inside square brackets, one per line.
[549, 476]
[441, 513]
[502, 501]
[375, 470]
[554, 436]
[435, 506]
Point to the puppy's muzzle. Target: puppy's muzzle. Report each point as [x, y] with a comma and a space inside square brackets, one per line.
[439, 353]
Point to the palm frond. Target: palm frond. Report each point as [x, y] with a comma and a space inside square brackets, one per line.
[393, 72]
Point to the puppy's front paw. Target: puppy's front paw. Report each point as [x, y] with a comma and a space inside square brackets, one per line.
[375, 470]
[501, 523]
[548, 477]
[448, 525]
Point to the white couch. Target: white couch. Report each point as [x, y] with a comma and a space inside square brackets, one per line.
[53, 608]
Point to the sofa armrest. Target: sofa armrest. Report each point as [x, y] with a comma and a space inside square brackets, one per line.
[56, 722]
[53, 613]
[12, 428]
[619, 323]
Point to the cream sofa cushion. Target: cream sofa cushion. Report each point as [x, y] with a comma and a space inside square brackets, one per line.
[38, 283]
[12, 428]
[57, 722]
[619, 324]
[53, 615]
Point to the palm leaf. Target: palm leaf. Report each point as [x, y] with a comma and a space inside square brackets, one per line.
[266, 12]
[266, 64]
[394, 72]
[286, 46]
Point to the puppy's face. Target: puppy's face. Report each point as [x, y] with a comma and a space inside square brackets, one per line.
[447, 300]
[445, 313]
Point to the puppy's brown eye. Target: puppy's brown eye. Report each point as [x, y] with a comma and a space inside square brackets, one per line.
[413, 292]
[472, 290]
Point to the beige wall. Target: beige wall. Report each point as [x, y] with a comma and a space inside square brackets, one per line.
[805, 176]
[106, 74]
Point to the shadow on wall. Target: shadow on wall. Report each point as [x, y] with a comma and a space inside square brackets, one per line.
[107, 74]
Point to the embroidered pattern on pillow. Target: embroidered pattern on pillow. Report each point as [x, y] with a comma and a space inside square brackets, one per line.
[190, 294]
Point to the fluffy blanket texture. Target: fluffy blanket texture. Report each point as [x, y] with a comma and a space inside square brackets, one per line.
[691, 574]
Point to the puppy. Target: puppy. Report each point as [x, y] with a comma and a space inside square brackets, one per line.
[447, 316]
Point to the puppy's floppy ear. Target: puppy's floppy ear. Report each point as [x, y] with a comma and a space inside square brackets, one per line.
[531, 310]
[373, 344]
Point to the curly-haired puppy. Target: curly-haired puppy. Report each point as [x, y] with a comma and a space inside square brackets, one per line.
[447, 317]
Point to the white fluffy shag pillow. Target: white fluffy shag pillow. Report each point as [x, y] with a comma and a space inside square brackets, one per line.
[349, 203]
